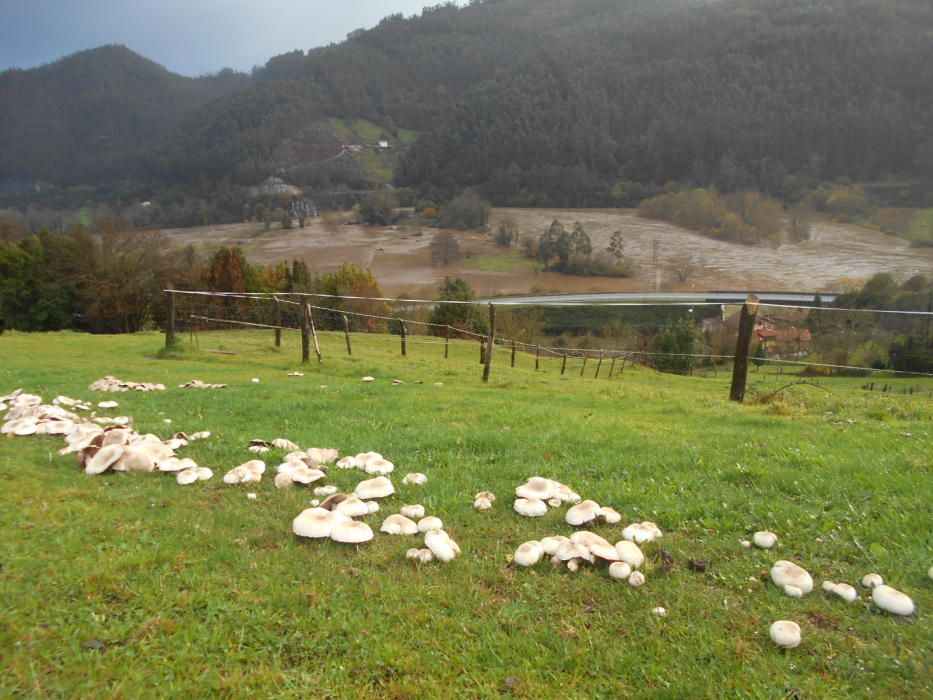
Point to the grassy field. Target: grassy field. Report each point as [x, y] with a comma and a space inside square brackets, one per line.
[500, 262]
[915, 225]
[132, 586]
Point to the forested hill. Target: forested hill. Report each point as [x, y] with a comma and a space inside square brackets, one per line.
[83, 118]
[533, 101]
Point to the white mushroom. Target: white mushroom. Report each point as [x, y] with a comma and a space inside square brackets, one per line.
[630, 553]
[582, 513]
[380, 487]
[565, 493]
[536, 487]
[189, 476]
[399, 525]
[892, 600]
[641, 532]
[554, 502]
[610, 515]
[283, 480]
[430, 523]
[369, 379]
[872, 580]
[353, 506]
[746, 543]
[793, 591]
[785, 634]
[786, 573]
[322, 455]
[530, 507]
[552, 544]
[619, 570]
[828, 586]
[636, 579]
[351, 532]
[442, 547]
[415, 512]
[347, 463]
[248, 472]
[488, 495]
[529, 553]
[846, 592]
[482, 504]
[416, 478]
[764, 539]
[379, 466]
[596, 545]
[103, 459]
[660, 612]
[307, 475]
[325, 491]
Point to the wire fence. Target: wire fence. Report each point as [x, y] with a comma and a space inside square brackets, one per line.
[679, 337]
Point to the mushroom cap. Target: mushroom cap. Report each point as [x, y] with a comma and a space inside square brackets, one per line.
[258, 449]
[425, 556]
[490, 496]
[660, 612]
[642, 532]
[528, 553]
[379, 466]
[187, 476]
[415, 511]
[333, 501]
[323, 455]
[380, 487]
[137, 458]
[372, 506]
[571, 550]
[399, 525]
[764, 539]
[442, 547]
[412, 554]
[846, 592]
[283, 480]
[351, 532]
[787, 573]
[530, 507]
[347, 463]
[283, 444]
[430, 523]
[610, 515]
[482, 504]
[313, 522]
[793, 591]
[565, 493]
[352, 506]
[619, 570]
[367, 378]
[892, 600]
[785, 634]
[536, 487]
[552, 544]
[416, 478]
[325, 491]
[364, 458]
[554, 502]
[872, 580]
[630, 553]
[597, 546]
[307, 475]
[204, 473]
[105, 458]
[290, 466]
[636, 579]
[828, 586]
[582, 513]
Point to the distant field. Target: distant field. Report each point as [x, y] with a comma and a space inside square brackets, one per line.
[915, 225]
[131, 586]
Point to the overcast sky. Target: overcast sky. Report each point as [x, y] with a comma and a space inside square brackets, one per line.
[190, 37]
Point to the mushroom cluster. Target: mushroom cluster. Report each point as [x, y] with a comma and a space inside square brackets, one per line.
[99, 449]
[109, 383]
[369, 462]
[484, 500]
[198, 384]
[533, 498]
[585, 547]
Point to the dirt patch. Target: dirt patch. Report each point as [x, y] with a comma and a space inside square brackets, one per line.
[834, 257]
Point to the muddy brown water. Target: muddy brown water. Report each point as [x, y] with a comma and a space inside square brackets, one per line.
[836, 257]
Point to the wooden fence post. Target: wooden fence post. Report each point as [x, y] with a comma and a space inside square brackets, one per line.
[482, 351]
[513, 353]
[317, 348]
[583, 368]
[563, 364]
[487, 367]
[404, 338]
[278, 322]
[612, 366]
[742, 345]
[446, 341]
[537, 356]
[346, 334]
[305, 334]
[599, 364]
[169, 320]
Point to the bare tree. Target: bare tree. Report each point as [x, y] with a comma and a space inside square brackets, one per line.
[683, 267]
[445, 249]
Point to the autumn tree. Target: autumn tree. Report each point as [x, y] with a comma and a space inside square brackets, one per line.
[444, 248]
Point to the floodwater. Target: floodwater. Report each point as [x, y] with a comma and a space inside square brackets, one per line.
[836, 257]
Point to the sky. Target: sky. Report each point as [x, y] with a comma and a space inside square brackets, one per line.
[191, 37]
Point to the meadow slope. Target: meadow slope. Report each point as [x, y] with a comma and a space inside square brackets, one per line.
[132, 586]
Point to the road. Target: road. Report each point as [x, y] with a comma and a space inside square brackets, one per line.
[718, 297]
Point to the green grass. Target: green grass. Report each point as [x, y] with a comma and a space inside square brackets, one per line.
[197, 591]
[914, 225]
[500, 262]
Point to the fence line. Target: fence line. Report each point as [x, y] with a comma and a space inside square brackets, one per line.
[506, 344]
